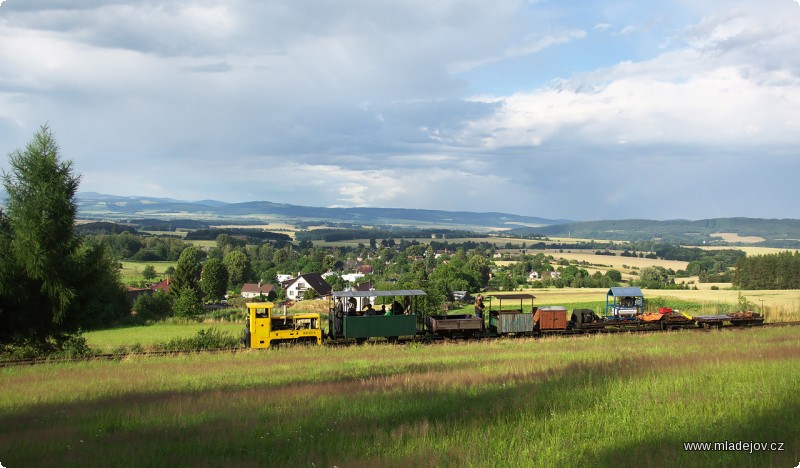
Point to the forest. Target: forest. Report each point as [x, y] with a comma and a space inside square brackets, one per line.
[777, 271]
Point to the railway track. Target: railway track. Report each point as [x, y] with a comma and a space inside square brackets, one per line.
[425, 339]
[115, 357]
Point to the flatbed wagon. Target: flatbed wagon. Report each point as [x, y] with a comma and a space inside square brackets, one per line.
[465, 325]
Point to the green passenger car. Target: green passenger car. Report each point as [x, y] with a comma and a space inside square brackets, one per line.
[359, 315]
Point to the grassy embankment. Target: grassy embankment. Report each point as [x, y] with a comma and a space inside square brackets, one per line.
[621, 400]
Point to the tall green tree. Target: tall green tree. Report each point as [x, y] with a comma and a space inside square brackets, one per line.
[214, 280]
[50, 282]
[41, 209]
[238, 265]
[187, 272]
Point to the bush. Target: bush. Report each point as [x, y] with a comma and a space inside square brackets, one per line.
[153, 306]
[187, 305]
[28, 349]
[211, 338]
[229, 314]
[75, 347]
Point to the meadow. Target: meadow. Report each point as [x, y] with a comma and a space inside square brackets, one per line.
[131, 271]
[603, 400]
[106, 341]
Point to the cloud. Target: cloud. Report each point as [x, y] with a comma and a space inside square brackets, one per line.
[377, 105]
[526, 46]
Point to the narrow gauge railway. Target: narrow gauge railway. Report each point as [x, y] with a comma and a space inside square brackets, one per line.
[428, 339]
[400, 315]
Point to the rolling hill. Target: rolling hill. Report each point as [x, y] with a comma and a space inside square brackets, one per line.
[100, 206]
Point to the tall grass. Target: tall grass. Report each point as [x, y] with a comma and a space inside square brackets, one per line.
[623, 400]
[781, 312]
[107, 341]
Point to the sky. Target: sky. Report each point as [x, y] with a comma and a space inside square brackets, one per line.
[582, 110]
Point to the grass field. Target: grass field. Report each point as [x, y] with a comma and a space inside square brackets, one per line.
[105, 341]
[621, 400]
[132, 271]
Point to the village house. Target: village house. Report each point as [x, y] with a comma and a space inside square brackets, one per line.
[365, 269]
[352, 277]
[296, 289]
[329, 273]
[251, 290]
[283, 278]
[162, 286]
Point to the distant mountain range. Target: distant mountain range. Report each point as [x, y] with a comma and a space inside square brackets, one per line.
[99, 206]
[784, 233]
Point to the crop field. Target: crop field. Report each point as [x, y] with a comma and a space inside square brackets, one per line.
[616, 261]
[734, 237]
[751, 250]
[621, 400]
[497, 241]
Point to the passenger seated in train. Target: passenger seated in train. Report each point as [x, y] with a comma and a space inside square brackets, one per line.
[368, 310]
[397, 308]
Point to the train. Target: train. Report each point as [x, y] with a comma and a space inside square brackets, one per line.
[353, 318]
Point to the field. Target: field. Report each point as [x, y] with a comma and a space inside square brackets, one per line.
[105, 341]
[751, 250]
[131, 271]
[734, 237]
[497, 241]
[603, 263]
[621, 400]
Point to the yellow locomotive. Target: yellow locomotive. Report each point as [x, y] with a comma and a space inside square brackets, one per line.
[265, 328]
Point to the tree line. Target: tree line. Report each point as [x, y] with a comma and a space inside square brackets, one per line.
[776, 271]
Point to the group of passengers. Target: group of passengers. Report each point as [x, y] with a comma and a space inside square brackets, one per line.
[369, 310]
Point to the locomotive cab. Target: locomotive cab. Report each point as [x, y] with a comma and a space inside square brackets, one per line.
[265, 328]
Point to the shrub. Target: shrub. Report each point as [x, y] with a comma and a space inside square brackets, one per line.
[187, 305]
[211, 338]
[153, 306]
[229, 314]
[75, 347]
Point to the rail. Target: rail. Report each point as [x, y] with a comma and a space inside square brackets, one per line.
[120, 357]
